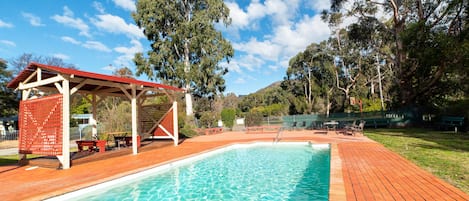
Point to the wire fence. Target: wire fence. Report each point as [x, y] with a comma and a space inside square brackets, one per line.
[9, 135]
[14, 134]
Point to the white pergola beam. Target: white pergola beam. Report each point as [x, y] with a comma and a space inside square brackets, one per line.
[76, 88]
[38, 83]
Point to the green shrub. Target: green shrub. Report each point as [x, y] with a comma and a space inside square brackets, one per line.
[188, 131]
[208, 119]
[228, 116]
[253, 118]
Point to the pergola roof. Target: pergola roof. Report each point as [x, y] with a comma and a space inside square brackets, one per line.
[38, 77]
[95, 81]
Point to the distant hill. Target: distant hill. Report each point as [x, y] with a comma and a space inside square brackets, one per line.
[263, 90]
[273, 85]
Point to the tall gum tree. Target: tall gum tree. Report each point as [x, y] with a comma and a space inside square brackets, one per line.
[432, 17]
[185, 46]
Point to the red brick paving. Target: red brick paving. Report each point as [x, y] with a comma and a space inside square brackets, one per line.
[369, 171]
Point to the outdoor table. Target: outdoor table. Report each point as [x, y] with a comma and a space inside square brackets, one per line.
[331, 124]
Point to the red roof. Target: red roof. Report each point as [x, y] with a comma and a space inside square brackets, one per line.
[50, 71]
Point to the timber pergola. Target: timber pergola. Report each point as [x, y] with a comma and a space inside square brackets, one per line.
[39, 79]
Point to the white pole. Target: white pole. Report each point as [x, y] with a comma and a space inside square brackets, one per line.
[134, 119]
[94, 129]
[65, 125]
[175, 123]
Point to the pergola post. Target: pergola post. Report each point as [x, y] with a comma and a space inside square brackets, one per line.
[134, 118]
[24, 96]
[94, 129]
[65, 158]
[175, 123]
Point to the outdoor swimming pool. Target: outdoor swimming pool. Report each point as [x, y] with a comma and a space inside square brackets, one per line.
[258, 171]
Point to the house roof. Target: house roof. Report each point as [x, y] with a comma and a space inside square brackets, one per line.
[48, 71]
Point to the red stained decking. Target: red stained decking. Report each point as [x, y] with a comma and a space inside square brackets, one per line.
[372, 172]
[369, 171]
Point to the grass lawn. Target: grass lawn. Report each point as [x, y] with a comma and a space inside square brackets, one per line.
[13, 159]
[444, 154]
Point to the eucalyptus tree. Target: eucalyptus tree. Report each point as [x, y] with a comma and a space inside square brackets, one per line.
[8, 99]
[309, 75]
[185, 47]
[396, 16]
[348, 63]
[372, 38]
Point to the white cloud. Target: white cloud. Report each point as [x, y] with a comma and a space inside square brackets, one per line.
[240, 80]
[68, 19]
[95, 45]
[281, 11]
[126, 4]
[61, 56]
[115, 24]
[251, 62]
[319, 5]
[8, 43]
[285, 42]
[33, 20]
[295, 38]
[239, 18]
[5, 24]
[273, 67]
[233, 66]
[265, 49]
[109, 67]
[128, 53]
[70, 40]
[99, 7]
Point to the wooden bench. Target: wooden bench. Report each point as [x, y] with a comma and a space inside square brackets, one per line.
[262, 129]
[211, 131]
[450, 122]
[92, 145]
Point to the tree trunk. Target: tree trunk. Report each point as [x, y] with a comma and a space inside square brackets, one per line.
[399, 26]
[189, 110]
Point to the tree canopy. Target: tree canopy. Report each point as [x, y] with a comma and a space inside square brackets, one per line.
[414, 53]
[185, 46]
[8, 99]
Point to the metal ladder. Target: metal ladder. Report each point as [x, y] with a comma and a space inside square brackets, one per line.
[279, 134]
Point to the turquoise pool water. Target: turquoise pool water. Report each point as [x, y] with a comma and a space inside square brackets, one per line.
[289, 171]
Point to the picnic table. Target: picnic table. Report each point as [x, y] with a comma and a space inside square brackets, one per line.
[92, 145]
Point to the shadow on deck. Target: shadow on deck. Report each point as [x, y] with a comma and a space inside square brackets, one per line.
[78, 158]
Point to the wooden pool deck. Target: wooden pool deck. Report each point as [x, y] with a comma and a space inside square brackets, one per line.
[360, 169]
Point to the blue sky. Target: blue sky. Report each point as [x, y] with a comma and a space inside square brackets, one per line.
[98, 36]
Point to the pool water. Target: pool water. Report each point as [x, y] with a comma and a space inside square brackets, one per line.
[261, 172]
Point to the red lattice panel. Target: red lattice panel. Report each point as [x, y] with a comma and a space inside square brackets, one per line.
[40, 124]
[167, 123]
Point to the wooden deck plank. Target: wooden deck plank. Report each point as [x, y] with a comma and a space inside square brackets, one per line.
[390, 175]
[369, 171]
